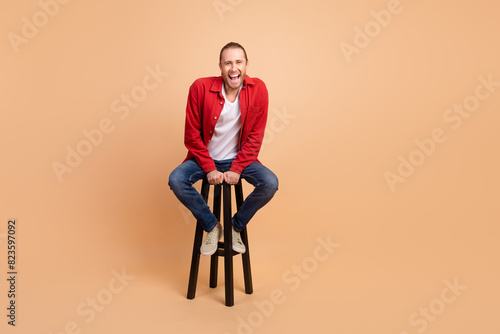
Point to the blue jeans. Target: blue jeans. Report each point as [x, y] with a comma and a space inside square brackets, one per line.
[181, 182]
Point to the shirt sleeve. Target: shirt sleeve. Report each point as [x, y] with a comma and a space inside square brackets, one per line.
[193, 133]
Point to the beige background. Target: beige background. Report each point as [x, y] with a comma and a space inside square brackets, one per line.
[337, 125]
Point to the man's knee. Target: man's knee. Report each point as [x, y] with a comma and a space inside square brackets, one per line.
[271, 184]
[175, 179]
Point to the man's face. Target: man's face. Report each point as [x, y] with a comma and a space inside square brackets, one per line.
[233, 67]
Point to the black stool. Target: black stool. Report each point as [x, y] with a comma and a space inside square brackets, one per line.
[225, 248]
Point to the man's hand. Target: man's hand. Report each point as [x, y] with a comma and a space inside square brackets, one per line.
[215, 177]
[231, 177]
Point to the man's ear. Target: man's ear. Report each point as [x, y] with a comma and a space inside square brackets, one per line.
[220, 67]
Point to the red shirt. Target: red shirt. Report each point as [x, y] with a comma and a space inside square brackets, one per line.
[204, 105]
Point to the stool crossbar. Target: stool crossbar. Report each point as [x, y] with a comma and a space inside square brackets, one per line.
[225, 248]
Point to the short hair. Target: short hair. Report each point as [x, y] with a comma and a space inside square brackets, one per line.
[231, 45]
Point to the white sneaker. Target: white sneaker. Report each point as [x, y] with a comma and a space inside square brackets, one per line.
[238, 245]
[209, 246]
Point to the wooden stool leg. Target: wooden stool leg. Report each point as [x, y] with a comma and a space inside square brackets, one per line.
[214, 259]
[195, 262]
[214, 268]
[245, 257]
[238, 188]
[228, 246]
[195, 259]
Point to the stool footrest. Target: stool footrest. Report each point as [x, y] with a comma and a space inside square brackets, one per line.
[220, 251]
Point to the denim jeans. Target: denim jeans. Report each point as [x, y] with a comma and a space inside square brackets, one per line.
[181, 182]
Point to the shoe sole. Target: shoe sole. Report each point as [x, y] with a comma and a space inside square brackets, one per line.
[207, 254]
[239, 250]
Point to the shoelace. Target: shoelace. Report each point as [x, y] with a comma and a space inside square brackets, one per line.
[238, 240]
[212, 237]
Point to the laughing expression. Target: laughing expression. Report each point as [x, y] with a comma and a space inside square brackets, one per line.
[233, 68]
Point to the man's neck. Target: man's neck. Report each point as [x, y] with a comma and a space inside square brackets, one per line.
[231, 94]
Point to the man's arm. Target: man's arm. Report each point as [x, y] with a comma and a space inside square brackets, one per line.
[193, 128]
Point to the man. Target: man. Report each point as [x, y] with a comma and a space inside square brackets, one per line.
[225, 122]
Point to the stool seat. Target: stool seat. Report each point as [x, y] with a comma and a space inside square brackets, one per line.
[224, 249]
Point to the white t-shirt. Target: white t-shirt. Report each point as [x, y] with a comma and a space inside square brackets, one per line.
[225, 141]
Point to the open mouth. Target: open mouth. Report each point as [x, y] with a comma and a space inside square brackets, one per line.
[234, 77]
